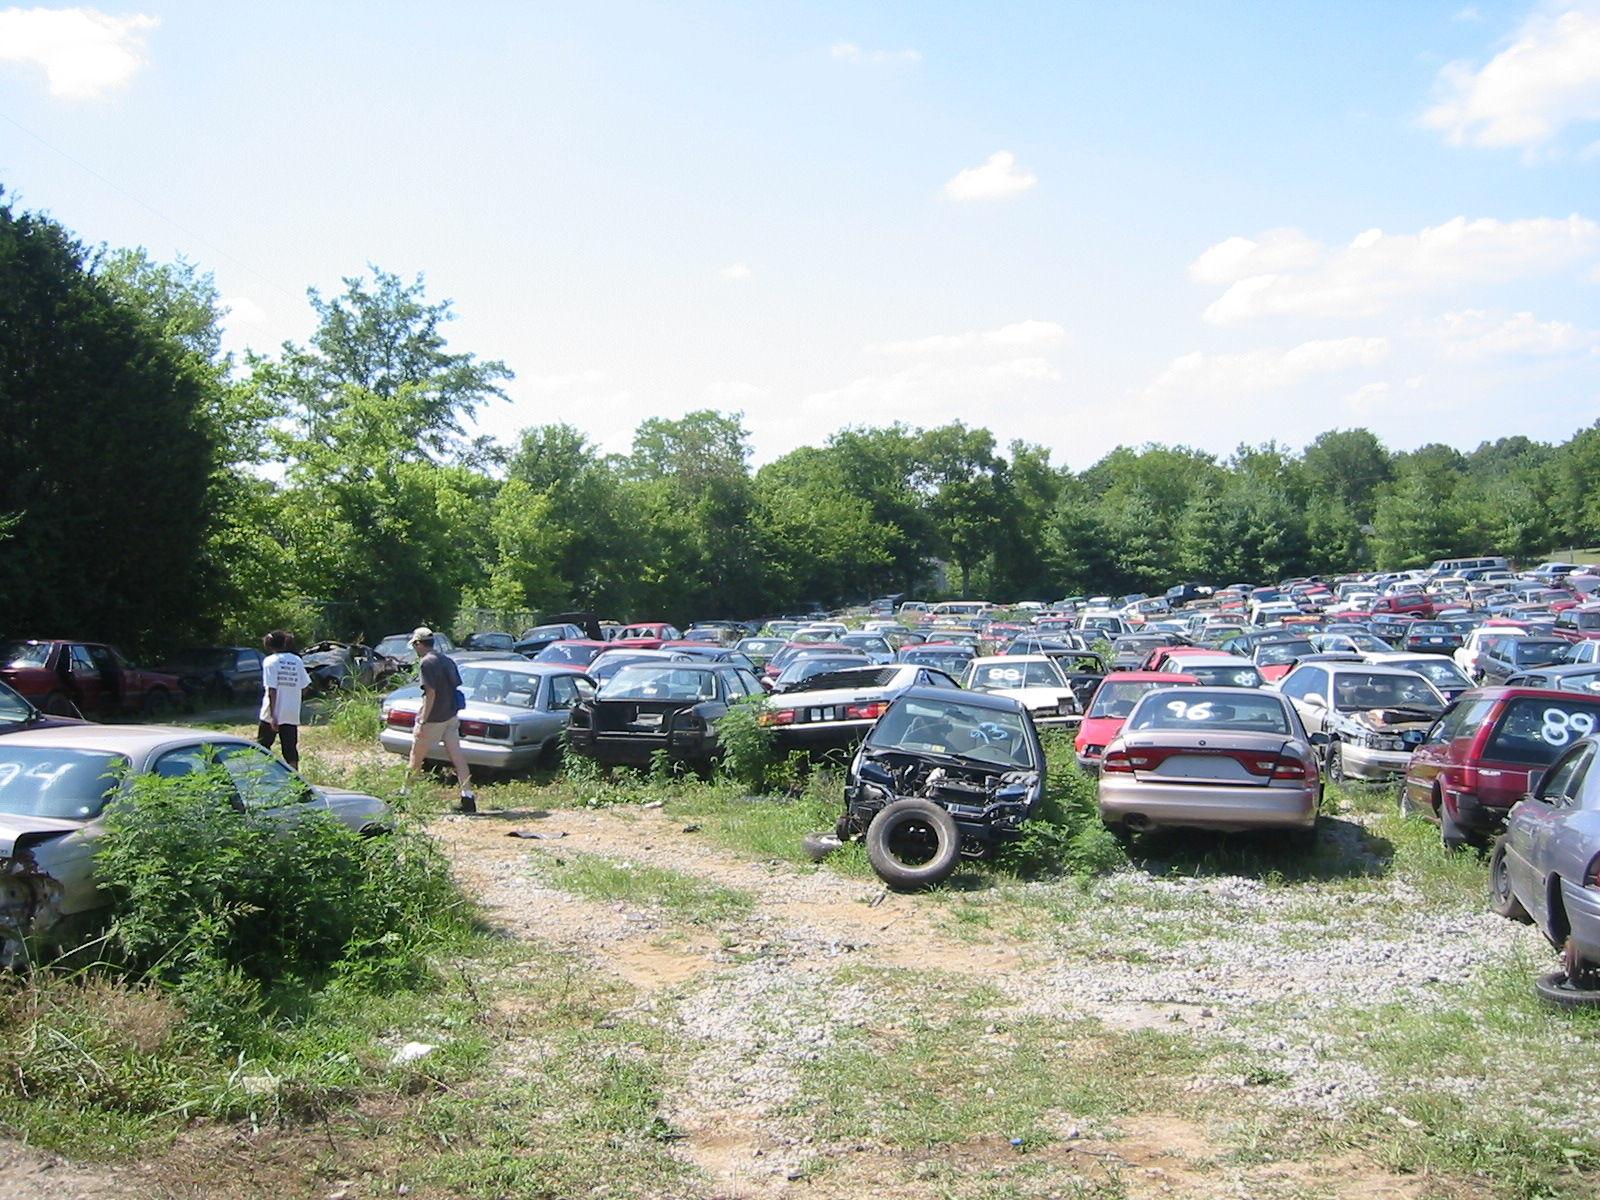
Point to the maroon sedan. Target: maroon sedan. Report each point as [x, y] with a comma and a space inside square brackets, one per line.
[67, 679]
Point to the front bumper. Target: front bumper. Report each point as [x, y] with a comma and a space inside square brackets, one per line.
[1147, 804]
[1363, 763]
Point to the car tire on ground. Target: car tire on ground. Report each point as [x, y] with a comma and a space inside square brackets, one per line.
[818, 846]
[59, 704]
[157, 702]
[1557, 989]
[1336, 774]
[1501, 898]
[913, 843]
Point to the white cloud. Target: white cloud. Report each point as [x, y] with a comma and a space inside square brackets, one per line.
[1286, 272]
[995, 180]
[1548, 77]
[83, 52]
[1475, 334]
[1020, 335]
[850, 52]
[737, 272]
[243, 310]
[549, 385]
[1266, 368]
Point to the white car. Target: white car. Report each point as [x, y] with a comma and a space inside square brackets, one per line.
[56, 784]
[1034, 680]
[1467, 656]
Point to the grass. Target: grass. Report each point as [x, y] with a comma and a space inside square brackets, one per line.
[676, 894]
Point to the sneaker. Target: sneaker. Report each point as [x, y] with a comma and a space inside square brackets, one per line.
[469, 803]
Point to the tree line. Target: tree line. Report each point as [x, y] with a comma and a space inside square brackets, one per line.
[156, 491]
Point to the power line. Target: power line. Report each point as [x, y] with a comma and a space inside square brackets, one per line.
[118, 188]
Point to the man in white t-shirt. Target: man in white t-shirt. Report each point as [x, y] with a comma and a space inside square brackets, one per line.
[283, 680]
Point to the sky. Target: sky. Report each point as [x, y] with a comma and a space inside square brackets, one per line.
[1081, 225]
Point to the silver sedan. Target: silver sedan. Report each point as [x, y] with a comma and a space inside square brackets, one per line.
[1545, 869]
[516, 712]
[55, 785]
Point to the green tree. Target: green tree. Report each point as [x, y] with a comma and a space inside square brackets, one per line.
[1349, 465]
[107, 454]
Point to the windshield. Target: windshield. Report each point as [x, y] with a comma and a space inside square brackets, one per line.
[24, 654]
[1440, 672]
[1588, 682]
[952, 663]
[816, 664]
[13, 708]
[1538, 654]
[568, 652]
[1116, 698]
[1274, 654]
[69, 785]
[940, 727]
[1357, 691]
[1534, 729]
[660, 683]
[1203, 710]
[396, 646]
[992, 677]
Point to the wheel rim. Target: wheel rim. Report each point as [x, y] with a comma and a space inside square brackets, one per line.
[1500, 881]
[912, 843]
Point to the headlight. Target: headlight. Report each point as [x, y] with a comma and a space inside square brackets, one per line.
[1378, 741]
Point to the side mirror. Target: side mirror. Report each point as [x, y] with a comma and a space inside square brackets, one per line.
[1320, 739]
[1315, 700]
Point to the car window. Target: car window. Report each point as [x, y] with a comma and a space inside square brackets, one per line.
[1534, 729]
[752, 685]
[1304, 681]
[263, 780]
[495, 685]
[563, 693]
[1359, 691]
[1228, 675]
[947, 727]
[1564, 784]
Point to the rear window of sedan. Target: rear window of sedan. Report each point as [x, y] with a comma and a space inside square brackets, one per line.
[1220, 711]
[69, 785]
[660, 683]
[1530, 653]
[1226, 675]
[1013, 675]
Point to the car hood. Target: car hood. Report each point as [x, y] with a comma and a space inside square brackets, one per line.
[1383, 720]
[793, 699]
[15, 830]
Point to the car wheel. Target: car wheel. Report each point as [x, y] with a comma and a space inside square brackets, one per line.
[913, 844]
[220, 688]
[1336, 775]
[818, 846]
[157, 703]
[59, 704]
[1501, 898]
[1558, 988]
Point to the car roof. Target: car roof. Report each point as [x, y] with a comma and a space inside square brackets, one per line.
[1141, 676]
[522, 666]
[1010, 660]
[118, 739]
[975, 699]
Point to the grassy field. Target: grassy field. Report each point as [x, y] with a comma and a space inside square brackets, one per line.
[1214, 1017]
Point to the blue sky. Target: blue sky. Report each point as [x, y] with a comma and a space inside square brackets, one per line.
[1082, 225]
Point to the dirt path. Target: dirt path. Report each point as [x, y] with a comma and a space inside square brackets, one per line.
[758, 996]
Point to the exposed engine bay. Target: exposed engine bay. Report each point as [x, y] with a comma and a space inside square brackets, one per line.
[984, 801]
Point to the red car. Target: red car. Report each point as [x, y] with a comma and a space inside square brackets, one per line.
[1578, 624]
[1486, 752]
[66, 679]
[646, 636]
[1414, 604]
[1113, 701]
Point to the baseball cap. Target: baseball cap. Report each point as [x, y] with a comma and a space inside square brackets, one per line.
[422, 634]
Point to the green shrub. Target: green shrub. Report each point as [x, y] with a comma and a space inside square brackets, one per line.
[1067, 835]
[355, 714]
[749, 752]
[235, 910]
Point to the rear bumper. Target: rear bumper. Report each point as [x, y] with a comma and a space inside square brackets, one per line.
[637, 749]
[1583, 914]
[1472, 813]
[820, 735]
[497, 756]
[1228, 809]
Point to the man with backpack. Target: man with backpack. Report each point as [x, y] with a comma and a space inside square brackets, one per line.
[438, 722]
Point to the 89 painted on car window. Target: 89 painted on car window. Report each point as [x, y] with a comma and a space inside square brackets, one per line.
[1561, 726]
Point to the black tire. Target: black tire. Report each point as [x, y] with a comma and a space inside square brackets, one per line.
[219, 688]
[157, 702]
[1502, 900]
[913, 844]
[818, 846]
[1555, 988]
[1336, 774]
[59, 704]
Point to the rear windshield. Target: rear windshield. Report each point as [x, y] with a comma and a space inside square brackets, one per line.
[992, 677]
[1534, 729]
[71, 785]
[850, 677]
[495, 685]
[568, 653]
[1227, 675]
[1275, 654]
[660, 683]
[1212, 710]
[24, 654]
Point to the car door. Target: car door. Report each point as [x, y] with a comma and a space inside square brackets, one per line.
[1542, 818]
[86, 676]
[1299, 686]
[247, 673]
[563, 693]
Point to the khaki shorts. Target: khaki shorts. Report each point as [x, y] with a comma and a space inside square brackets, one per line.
[426, 737]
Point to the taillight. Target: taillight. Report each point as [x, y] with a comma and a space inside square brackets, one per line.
[475, 729]
[1289, 767]
[778, 716]
[866, 712]
[401, 718]
[1117, 762]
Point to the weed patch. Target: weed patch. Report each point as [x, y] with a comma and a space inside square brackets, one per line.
[676, 893]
